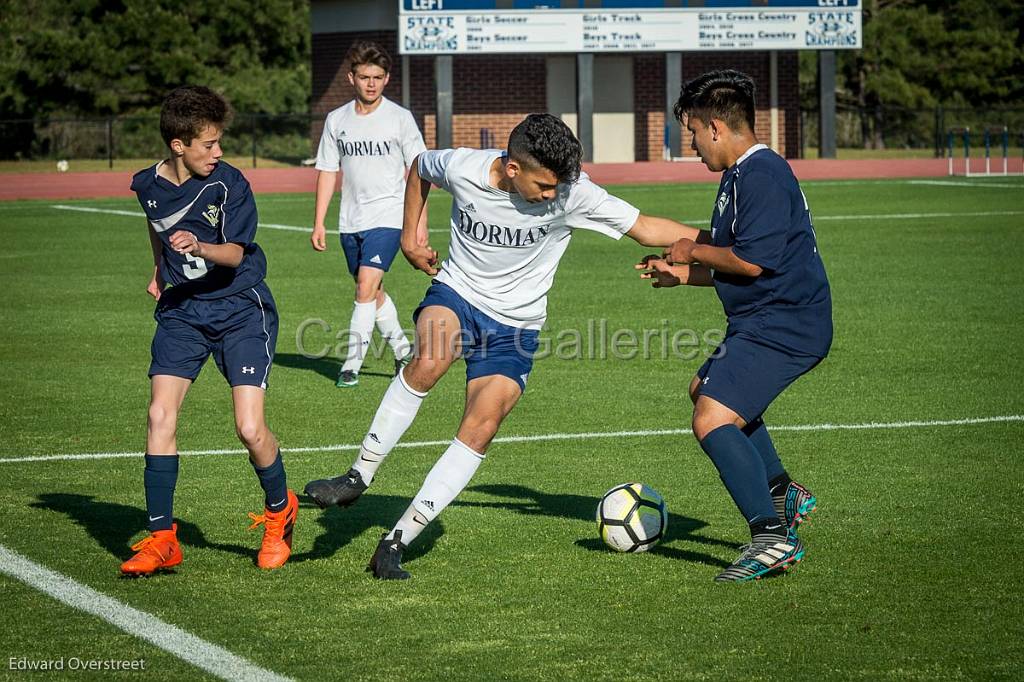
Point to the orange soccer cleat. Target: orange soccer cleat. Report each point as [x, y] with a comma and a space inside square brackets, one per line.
[277, 533]
[158, 551]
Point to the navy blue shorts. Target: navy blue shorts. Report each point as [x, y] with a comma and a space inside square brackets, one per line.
[488, 346]
[374, 248]
[746, 376]
[239, 330]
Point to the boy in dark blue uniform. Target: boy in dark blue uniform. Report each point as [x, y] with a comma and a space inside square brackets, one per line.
[201, 218]
[761, 256]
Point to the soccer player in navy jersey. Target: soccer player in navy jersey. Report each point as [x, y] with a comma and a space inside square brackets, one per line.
[201, 219]
[761, 255]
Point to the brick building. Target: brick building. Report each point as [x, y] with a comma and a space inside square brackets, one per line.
[492, 93]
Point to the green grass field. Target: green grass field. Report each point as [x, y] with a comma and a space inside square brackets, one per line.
[911, 567]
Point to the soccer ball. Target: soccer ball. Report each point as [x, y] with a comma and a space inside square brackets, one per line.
[62, 166]
[631, 518]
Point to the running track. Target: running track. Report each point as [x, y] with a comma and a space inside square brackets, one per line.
[266, 180]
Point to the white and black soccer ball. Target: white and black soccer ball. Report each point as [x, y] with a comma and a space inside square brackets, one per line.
[631, 518]
[62, 166]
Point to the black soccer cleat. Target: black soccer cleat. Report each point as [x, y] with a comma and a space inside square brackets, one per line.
[766, 554]
[386, 562]
[341, 490]
[794, 504]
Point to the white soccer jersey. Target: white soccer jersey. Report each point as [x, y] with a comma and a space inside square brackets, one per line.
[373, 153]
[504, 250]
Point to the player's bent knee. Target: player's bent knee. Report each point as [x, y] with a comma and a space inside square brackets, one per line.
[251, 432]
[422, 373]
[162, 419]
[478, 433]
[704, 423]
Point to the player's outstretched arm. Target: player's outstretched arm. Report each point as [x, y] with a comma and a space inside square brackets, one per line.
[415, 238]
[663, 275]
[156, 283]
[325, 183]
[721, 258]
[653, 231]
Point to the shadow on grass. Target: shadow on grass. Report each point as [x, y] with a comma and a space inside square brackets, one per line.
[370, 513]
[114, 525]
[328, 367]
[525, 500]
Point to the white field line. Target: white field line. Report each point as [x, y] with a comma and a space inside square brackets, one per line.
[140, 214]
[865, 426]
[963, 183]
[186, 646]
[816, 218]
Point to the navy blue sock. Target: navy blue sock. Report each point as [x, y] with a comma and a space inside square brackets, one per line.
[160, 478]
[742, 470]
[274, 484]
[757, 432]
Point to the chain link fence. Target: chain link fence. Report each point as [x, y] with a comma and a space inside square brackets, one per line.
[292, 138]
[287, 138]
[912, 129]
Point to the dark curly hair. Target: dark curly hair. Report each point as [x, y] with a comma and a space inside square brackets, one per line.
[544, 140]
[189, 109]
[365, 52]
[725, 94]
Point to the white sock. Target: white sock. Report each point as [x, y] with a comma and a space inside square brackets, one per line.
[391, 329]
[360, 330]
[451, 473]
[394, 415]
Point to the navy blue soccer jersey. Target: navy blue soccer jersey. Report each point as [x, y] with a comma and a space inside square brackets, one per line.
[763, 215]
[217, 209]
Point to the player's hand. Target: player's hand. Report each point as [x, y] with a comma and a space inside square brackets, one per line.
[421, 257]
[681, 252]
[156, 285]
[661, 274]
[319, 238]
[185, 242]
[645, 261]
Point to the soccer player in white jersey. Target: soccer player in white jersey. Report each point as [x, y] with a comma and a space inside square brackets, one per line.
[373, 141]
[513, 214]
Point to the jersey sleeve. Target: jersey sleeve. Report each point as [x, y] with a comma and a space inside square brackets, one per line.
[240, 217]
[763, 209]
[433, 166]
[412, 140]
[592, 208]
[327, 156]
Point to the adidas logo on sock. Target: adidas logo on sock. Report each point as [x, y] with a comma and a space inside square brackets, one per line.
[373, 437]
[429, 504]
